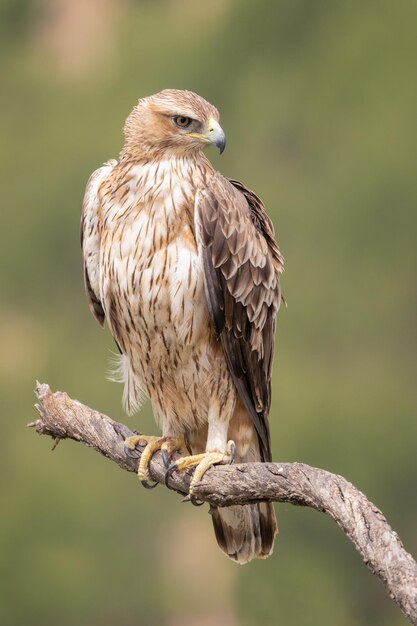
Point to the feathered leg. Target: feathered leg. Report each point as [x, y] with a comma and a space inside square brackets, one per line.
[245, 532]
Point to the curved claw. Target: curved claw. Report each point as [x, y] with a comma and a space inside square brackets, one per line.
[194, 501]
[133, 453]
[170, 470]
[165, 459]
[148, 485]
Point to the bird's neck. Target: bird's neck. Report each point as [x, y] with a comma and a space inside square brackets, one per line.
[133, 154]
[166, 187]
[156, 174]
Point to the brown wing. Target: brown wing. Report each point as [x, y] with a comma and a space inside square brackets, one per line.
[242, 264]
[90, 239]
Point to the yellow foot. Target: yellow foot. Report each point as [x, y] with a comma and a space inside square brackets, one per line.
[167, 445]
[201, 462]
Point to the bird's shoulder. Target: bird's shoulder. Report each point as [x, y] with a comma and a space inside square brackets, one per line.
[102, 176]
[236, 214]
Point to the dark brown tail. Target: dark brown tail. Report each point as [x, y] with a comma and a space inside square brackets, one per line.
[245, 532]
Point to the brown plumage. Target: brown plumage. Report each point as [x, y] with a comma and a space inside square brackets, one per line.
[182, 264]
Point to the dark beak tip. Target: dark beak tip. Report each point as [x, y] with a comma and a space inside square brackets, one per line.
[221, 144]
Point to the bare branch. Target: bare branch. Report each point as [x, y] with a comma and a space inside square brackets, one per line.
[296, 483]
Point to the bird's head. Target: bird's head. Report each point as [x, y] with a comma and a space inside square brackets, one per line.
[173, 121]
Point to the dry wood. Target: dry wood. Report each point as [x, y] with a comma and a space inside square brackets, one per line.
[296, 483]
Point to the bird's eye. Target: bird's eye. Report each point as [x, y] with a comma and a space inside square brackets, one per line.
[182, 121]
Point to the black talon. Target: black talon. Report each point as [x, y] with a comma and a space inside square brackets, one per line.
[170, 470]
[148, 485]
[132, 453]
[165, 459]
[194, 500]
[232, 452]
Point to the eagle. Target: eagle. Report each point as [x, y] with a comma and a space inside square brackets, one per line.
[182, 264]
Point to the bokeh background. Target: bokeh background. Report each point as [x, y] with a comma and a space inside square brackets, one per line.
[318, 100]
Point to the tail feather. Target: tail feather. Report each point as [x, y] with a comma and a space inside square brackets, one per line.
[245, 532]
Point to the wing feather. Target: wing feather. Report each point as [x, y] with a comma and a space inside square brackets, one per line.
[90, 239]
[242, 264]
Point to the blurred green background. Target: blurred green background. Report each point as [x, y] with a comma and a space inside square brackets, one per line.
[318, 100]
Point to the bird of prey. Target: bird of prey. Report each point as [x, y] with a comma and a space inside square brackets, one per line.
[182, 264]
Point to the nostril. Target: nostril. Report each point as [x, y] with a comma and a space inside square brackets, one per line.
[211, 130]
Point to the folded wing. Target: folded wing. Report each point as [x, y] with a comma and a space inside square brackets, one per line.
[242, 264]
[90, 239]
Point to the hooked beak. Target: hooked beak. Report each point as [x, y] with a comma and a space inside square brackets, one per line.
[214, 136]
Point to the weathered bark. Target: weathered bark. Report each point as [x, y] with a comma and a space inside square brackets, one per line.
[296, 483]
